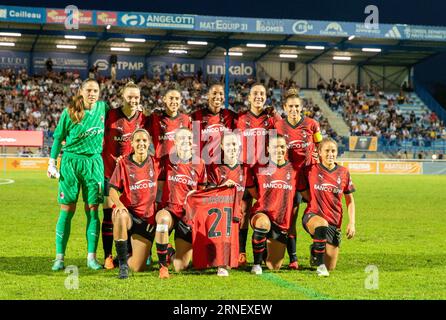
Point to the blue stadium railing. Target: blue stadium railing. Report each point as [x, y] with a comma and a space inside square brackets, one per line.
[430, 101]
[413, 146]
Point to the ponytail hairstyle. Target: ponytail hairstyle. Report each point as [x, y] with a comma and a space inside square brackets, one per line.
[128, 85]
[325, 141]
[76, 108]
[292, 93]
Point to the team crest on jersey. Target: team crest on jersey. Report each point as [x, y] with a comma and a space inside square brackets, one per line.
[240, 178]
[62, 195]
[132, 175]
[288, 176]
[339, 180]
[151, 173]
[265, 123]
[192, 173]
[163, 126]
[102, 118]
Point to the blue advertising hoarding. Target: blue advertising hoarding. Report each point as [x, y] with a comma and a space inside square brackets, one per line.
[22, 14]
[229, 24]
[14, 60]
[213, 68]
[127, 65]
[73, 62]
[156, 20]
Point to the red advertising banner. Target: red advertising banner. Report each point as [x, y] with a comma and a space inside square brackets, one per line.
[59, 16]
[106, 17]
[14, 138]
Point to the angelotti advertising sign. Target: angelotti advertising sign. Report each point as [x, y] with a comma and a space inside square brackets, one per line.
[16, 138]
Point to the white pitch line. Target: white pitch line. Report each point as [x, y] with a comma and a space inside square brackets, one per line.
[6, 181]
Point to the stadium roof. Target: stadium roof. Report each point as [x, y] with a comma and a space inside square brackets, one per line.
[395, 49]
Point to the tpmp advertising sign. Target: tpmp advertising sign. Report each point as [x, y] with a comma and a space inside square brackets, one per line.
[14, 60]
[73, 62]
[214, 68]
[127, 66]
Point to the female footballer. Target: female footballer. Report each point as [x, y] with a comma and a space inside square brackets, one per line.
[254, 125]
[162, 126]
[81, 126]
[325, 184]
[212, 122]
[181, 174]
[230, 173]
[135, 177]
[302, 135]
[271, 215]
[120, 123]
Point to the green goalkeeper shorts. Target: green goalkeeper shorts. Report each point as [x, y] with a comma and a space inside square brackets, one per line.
[86, 172]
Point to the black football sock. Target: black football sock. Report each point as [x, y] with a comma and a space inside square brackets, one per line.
[121, 250]
[107, 232]
[291, 248]
[259, 244]
[161, 250]
[242, 239]
[319, 243]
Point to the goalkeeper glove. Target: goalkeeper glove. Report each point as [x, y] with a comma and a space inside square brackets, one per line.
[52, 170]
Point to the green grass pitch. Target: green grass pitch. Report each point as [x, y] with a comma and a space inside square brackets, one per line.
[400, 230]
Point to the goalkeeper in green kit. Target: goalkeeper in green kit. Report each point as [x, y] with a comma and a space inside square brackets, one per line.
[81, 126]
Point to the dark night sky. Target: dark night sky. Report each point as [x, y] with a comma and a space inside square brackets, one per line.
[423, 12]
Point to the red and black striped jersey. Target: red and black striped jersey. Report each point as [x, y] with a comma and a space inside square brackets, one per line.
[220, 173]
[326, 188]
[301, 140]
[276, 187]
[162, 129]
[117, 137]
[180, 178]
[211, 128]
[137, 184]
[255, 130]
[210, 214]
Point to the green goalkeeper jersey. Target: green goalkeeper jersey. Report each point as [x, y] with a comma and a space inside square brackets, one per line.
[83, 138]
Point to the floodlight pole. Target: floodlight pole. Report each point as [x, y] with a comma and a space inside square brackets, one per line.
[227, 78]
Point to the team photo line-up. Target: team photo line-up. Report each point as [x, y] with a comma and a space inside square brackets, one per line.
[207, 177]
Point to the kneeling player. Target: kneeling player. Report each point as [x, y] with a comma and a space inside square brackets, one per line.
[233, 174]
[135, 176]
[182, 174]
[325, 183]
[272, 213]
